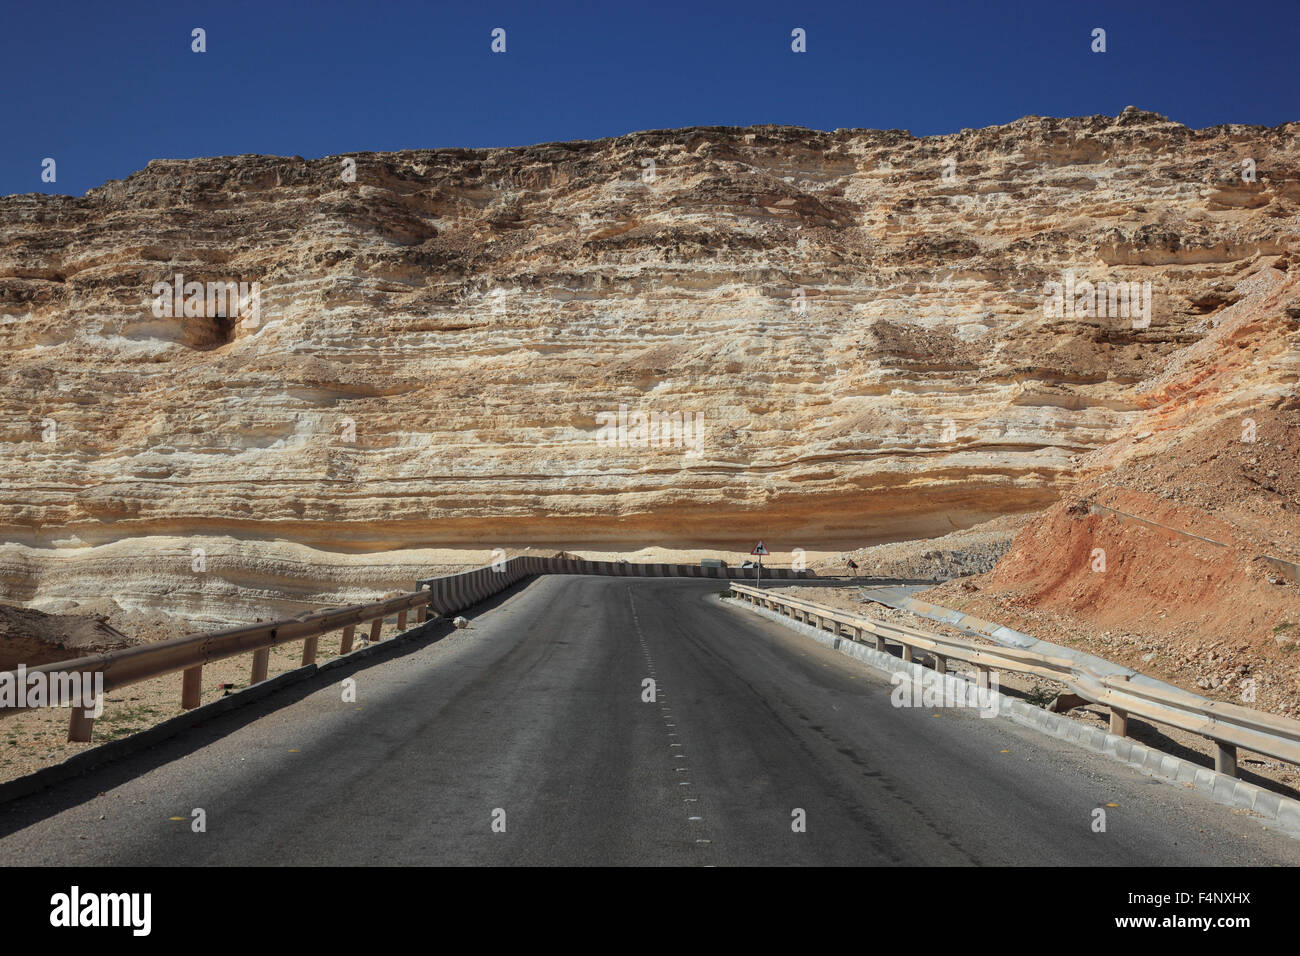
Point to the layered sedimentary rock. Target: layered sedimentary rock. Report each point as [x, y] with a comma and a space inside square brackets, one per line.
[441, 336]
[1178, 550]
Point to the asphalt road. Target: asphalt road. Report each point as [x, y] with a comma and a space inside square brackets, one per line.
[532, 719]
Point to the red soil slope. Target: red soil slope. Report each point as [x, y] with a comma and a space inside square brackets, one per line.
[1213, 455]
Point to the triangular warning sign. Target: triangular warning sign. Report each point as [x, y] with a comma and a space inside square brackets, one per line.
[760, 548]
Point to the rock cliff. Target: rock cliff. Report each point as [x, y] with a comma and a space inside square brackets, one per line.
[441, 339]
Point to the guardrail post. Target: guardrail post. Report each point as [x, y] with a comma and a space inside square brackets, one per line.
[982, 680]
[423, 616]
[856, 634]
[309, 648]
[191, 687]
[907, 652]
[376, 628]
[1119, 722]
[880, 643]
[401, 621]
[940, 664]
[80, 727]
[261, 664]
[345, 645]
[1225, 758]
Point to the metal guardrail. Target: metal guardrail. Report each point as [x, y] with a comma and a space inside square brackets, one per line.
[190, 653]
[443, 595]
[1229, 726]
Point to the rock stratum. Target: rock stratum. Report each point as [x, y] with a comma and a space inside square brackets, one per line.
[854, 319]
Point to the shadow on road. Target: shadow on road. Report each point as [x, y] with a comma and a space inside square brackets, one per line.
[117, 769]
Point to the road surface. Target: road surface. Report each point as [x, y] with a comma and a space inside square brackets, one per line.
[525, 739]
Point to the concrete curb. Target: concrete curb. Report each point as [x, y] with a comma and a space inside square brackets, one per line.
[1283, 812]
[88, 760]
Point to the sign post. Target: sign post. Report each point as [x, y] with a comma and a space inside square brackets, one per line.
[760, 549]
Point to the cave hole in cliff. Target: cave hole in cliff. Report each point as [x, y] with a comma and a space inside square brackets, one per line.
[219, 330]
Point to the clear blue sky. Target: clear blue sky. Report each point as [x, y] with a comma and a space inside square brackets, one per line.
[105, 86]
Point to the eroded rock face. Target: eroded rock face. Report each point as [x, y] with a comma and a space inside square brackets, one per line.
[442, 344]
[1177, 552]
